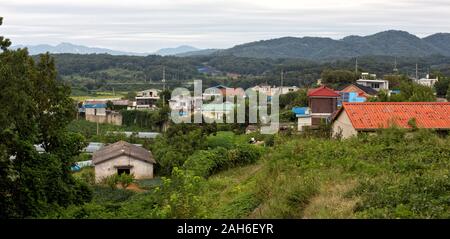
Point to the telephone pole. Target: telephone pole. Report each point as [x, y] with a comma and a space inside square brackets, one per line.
[417, 71]
[282, 76]
[164, 85]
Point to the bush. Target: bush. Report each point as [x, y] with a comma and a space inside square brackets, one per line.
[125, 179]
[207, 162]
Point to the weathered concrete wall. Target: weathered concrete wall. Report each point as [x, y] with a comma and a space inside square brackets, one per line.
[140, 169]
[342, 125]
[112, 118]
[304, 121]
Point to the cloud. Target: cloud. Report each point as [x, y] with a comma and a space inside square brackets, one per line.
[144, 26]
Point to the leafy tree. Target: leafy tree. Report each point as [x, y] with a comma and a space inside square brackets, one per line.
[448, 94]
[442, 86]
[36, 109]
[338, 78]
[131, 95]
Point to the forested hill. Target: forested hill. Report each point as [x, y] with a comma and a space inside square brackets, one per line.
[388, 43]
[105, 72]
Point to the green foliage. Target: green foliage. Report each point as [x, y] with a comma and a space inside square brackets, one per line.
[337, 78]
[409, 92]
[292, 99]
[174, 147]
[86, 175]
[111, 181]
[125, 180]
[146, 119]
[36, 109]
[442, 86]
[208, 162]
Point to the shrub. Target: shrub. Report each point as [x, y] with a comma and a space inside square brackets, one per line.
[125, 179]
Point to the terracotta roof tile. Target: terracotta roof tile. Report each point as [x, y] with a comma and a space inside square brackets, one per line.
[375, 115]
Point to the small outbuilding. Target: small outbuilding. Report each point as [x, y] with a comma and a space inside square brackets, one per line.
[123, 157]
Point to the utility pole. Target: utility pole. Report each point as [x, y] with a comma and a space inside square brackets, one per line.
[281, 77]
[395, 66]
[417, 71]
[356, 66]
[164, 84]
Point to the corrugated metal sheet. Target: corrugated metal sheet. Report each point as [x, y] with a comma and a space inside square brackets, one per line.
[375, 115]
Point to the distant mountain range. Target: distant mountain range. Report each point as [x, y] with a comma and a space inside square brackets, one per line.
[176, 50]
[387, 43]
[71, 48]
[79, 49]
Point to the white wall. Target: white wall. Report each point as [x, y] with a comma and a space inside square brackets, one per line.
[140, 169]
[343, 125]
[304, 121]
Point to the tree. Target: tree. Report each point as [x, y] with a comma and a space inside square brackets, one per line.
[36, 109]
[131, 95]
[336, 78]
[448, 94]
[442, 86]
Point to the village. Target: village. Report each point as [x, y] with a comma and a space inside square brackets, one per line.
[348, 112]
[223, 110]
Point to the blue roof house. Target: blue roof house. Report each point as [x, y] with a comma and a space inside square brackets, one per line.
[303, 115]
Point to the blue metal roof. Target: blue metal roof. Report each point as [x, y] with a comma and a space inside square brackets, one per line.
[301, 111]
[94, 106]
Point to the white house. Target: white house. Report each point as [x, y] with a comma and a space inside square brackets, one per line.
[427, 81]
[271, 90]
[122, 157]
[147, 99]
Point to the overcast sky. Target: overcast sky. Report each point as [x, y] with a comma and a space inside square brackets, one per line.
[145, 26]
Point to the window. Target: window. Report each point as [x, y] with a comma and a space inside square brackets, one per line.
[375, 85]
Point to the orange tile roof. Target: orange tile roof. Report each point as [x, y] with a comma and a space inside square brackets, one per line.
[375, 115]
[322, 91]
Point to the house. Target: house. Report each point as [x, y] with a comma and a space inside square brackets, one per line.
[272, 90]
[426, 81]
[222, 91]
[122, 157]
[354, 118]
[95, 111]
[147, 99]
[369, 80]
[94, 108]
[304, 118]
[361, 90]
[356, 93]
[323, 103]
[217, 111]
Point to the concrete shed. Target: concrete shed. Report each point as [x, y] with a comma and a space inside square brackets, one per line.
[123, 157]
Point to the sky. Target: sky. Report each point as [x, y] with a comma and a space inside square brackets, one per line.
[148, 25]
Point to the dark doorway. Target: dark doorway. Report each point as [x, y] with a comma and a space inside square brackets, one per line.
[123, 170]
